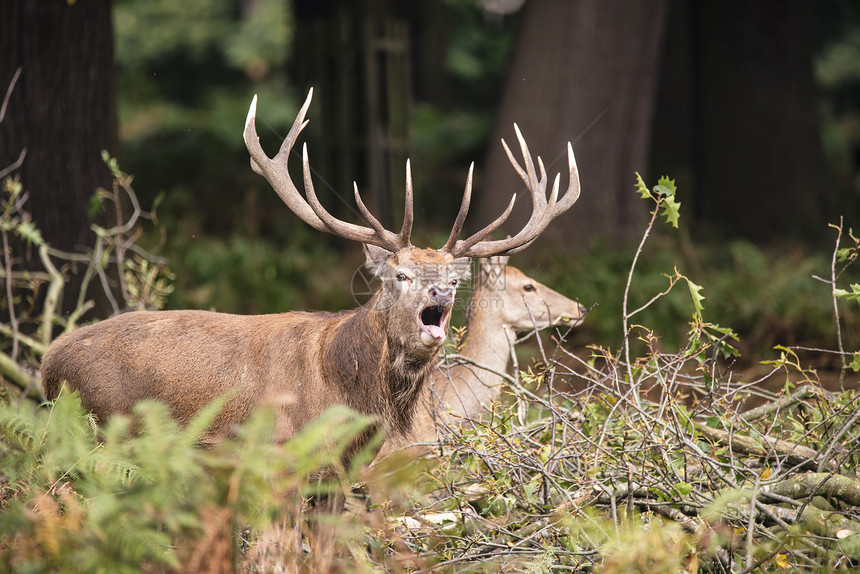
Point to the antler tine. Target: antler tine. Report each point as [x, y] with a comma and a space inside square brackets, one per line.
[463, 246]
[543, 210]
[310, 210]
[334, 225]
[535, 185]
[365, 213]
[295, 130]
[573, 188]
[408, 208]
[461, 215]
[378, 236]
[274, 170]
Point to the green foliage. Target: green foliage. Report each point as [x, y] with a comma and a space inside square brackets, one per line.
[186, 74]
[764, 293]
[148, 284]
[255, 41]
[603, 464]
[248, 275]
[651, 463]
[12, 218]
[852, 295]
[664, 196]
[140, 490]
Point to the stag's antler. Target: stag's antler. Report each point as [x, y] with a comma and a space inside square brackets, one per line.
[543, 210]
[314, 214]
[311, 210]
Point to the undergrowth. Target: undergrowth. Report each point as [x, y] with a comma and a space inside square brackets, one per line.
[139, 494]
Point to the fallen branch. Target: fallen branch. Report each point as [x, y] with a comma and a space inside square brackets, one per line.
[824, 484]
[803, 393]
[794, 453]
[15, 374]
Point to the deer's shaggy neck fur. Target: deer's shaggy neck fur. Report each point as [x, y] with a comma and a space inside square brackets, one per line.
[375, 375]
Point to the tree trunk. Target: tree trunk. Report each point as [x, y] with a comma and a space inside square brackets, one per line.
[62, 110]
[758, 167]
[583, 71]
[357, 56]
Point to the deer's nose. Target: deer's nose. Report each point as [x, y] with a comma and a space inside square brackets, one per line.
[441, 296]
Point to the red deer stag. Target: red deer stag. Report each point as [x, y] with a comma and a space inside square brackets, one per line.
[374, 359]
[504, 302]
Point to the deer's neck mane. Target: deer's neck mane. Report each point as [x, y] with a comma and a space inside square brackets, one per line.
[374, 370]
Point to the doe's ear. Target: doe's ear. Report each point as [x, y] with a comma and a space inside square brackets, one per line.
[463, 267]
[375, 258]
[494, 264]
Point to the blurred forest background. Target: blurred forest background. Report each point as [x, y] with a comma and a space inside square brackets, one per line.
[754, 108]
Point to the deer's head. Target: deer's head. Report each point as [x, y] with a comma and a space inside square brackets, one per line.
[417, 293]
[521, 302]
[418, 285]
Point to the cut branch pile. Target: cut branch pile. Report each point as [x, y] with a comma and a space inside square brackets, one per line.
[594, 470]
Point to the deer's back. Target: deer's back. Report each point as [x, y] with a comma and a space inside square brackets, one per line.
[188, 358]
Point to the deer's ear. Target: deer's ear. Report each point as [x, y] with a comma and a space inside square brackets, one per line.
[375, 258]
[494, 263]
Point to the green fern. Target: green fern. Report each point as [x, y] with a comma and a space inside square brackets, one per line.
[140, 490]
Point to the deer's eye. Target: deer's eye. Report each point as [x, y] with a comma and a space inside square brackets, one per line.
[529, 287]
[401, 277]
[454, 282]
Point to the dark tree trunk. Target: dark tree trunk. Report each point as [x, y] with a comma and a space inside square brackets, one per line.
[583, 71]
[62, 110]
[356, 55]
[758, 166]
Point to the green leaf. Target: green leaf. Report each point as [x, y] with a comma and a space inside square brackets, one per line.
[665, 187]
[641, 188]
[855, 362]
[671, 210]
[853, 295]
[682, 488]
[695, 293]
[714, 422]
[844, 254]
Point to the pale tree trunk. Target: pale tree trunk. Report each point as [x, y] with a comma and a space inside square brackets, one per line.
[584, 71]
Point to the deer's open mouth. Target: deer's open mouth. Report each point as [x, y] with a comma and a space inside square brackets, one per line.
[432, 321]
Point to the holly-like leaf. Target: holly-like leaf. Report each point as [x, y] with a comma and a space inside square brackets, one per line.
[641, 188]
[695, 293]
[671, 210]
[665, 186]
